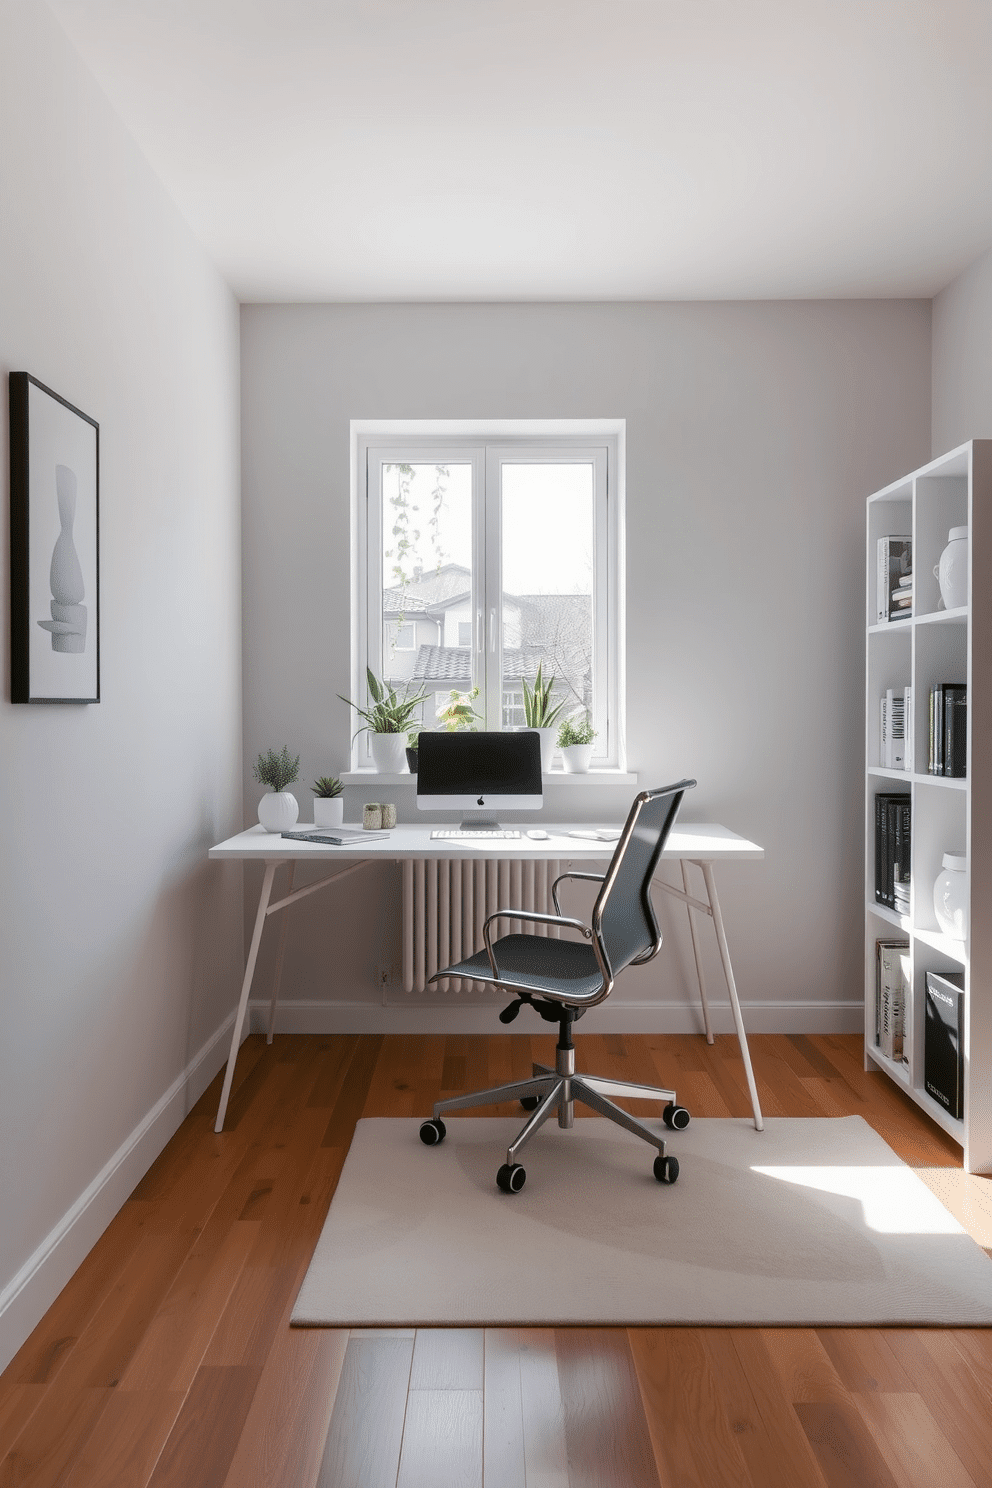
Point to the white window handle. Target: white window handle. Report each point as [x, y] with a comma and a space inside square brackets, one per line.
[492, 630]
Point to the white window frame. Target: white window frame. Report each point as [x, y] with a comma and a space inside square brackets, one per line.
[487, 446]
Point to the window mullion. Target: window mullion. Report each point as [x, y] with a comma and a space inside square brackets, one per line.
[490, 571]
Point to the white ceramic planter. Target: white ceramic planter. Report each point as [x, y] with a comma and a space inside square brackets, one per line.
[328, 811]
[576, 758]
[548, 737]
[389, 753]
[950, 896]
[952, 570]
[278, 811]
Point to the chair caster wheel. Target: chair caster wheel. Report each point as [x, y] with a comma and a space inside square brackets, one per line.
[511, 1178]
[666, 1169]
[676, 1118]
[433, 1131]
[530, 1102]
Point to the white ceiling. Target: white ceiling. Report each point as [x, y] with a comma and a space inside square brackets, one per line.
[562, 149]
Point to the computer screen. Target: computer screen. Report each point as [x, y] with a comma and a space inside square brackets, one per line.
[479, 773]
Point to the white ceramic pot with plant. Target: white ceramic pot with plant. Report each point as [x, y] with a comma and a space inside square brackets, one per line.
[541, 714]
[389, 716]
[328, 802]
[278, 810]
[575, 738]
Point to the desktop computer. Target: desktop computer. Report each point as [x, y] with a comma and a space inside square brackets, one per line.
[479, 774]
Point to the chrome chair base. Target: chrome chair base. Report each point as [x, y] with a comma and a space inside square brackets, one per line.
[556, 1091]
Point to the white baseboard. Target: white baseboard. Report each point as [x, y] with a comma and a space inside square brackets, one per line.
[30, 1293]
[613, 1017]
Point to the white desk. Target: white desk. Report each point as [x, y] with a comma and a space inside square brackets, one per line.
[701, 843]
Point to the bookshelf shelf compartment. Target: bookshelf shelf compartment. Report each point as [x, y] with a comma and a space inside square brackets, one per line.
[948, 814]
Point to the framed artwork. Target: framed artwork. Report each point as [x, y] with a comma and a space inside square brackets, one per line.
[54, 547]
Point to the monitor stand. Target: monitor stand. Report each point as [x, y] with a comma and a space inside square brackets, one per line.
[479, 823]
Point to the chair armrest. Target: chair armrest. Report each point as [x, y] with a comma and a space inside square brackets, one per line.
[527, 914]
[593, 877]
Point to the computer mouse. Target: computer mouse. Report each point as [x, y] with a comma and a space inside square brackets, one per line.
[538, 834]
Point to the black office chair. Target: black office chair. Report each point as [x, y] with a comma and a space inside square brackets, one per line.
[561, 978]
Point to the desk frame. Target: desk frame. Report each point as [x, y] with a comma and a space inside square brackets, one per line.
[248, 846]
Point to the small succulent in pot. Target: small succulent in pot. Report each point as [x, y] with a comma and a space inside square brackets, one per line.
[328, 801]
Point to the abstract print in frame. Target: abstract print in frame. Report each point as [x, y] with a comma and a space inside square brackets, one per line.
[54, 547]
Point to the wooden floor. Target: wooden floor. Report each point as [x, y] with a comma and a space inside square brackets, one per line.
[168, 1359]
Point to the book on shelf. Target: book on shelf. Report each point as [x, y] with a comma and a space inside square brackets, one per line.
[892, 728]
[948, 717]
[893, 817]
[892, 979]
[943, 1040]
[895, 563]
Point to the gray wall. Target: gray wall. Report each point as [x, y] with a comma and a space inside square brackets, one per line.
[754, 433]
[962, 358]
[120, 946]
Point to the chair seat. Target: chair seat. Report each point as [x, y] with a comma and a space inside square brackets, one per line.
[555, 968]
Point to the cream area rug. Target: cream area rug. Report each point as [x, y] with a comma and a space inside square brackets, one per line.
[812, 1222]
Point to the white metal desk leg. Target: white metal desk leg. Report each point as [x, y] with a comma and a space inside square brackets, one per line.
[699, 960]
[728, 970]
[263, 904]
[277, 978]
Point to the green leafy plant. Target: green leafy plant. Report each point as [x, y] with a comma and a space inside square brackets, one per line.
[388, 712]
[539, 710]
[458, 712]
[412, 738]
[276, 770]
[575, 730]
[326, 787]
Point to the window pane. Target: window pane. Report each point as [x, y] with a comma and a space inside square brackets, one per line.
[427, 579]
[548, 533]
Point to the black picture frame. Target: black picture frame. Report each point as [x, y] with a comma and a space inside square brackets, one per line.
[54, 547]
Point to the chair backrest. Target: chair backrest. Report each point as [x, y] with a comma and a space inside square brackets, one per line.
[623, 917]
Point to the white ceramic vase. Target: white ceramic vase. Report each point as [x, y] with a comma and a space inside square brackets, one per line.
[328, 811]
[278, 811]
[952, 570]
[950, 896]
[389, 753]
[576, 758]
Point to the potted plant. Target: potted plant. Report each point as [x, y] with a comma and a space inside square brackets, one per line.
[575, 738]
[412, 740]
[387, 720]
[279, 809]
[542, 714]
[458, 712]
[328, 801]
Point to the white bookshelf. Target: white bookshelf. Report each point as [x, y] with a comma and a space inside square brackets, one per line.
[936, 645]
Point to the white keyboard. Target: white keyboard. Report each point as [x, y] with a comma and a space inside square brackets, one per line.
[456, 834]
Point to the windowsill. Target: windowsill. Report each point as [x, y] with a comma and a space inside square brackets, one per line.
[555, 777]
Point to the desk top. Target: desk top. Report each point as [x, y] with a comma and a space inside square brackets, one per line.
[703, 841]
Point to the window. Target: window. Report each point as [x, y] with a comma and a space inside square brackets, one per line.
[480, 561]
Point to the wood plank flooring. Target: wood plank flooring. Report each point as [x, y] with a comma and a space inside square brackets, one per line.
[169, 1360]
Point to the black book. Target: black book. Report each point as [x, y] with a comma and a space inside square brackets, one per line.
[886, 804]
[900, 809]
[955, 729]
[943, 1040]
[937, 729]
